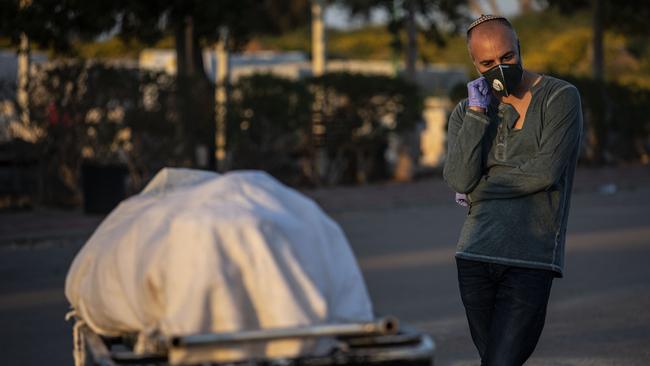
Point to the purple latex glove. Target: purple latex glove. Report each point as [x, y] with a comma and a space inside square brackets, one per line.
[478, 92]
[462, 200]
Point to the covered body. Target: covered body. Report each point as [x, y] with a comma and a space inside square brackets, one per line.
[200, 252]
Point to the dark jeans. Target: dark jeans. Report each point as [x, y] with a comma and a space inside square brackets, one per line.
[505, 307]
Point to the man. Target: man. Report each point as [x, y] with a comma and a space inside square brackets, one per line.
[512, 149]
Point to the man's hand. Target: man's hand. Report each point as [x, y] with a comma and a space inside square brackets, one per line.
[462, 199]
[478, 92]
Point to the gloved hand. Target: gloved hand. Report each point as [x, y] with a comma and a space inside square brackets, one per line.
[478, 92]
[462, 199]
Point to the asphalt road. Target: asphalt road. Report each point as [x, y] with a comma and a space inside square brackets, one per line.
[599, 314]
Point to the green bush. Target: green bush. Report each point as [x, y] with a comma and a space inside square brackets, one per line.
[616, 120]
[269, 124]
[92, 112]
[361, 111]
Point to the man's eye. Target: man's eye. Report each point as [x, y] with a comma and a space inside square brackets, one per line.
[508, 57]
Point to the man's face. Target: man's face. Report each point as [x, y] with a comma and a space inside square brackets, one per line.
[491, 44]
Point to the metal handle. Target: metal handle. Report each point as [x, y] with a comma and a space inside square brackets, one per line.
[382, 326]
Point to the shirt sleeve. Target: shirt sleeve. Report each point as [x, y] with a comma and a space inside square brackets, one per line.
[464, 164]
[558, 145]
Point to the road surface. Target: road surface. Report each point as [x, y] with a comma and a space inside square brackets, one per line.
[403, 236]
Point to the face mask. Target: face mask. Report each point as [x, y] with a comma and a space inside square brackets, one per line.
[504, 78]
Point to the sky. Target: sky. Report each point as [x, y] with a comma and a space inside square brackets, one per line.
[336, 16]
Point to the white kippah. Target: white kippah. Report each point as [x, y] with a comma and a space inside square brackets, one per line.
[486, 18]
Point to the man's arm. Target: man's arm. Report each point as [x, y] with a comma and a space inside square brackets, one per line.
[464, 162]
[560, 137]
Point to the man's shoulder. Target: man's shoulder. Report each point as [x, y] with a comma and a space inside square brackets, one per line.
[557, 89]
[459, 109]
[461, 105]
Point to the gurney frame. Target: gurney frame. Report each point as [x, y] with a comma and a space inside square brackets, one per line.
[381, 342]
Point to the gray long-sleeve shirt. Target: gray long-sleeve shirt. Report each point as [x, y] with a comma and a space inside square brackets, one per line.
[518, 181]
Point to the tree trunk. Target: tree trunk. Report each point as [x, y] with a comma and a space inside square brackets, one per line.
[412, 43]
[23, 79]
[181, 56]
[194, 94]
[222, 78]
[318, 52]
[320, 159]
[23, 72]
[598, 58]
[601, 109]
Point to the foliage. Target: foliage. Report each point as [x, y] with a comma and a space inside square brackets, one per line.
[552, 42]
[109, 115]
[371, 42]
[432, 20]
[115, 48]
[628, 17]
[270, 124]
[437, 18]
[624, 135]
[298, 39]
[93, 112]
[360, 113]
[193, 23]
[365, 43]
[372, 102]
[555, 43]
[57, 24]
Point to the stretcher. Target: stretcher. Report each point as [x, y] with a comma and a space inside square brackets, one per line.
[381, 342]
[238, 253]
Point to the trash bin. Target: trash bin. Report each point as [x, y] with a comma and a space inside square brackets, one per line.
[104, 187]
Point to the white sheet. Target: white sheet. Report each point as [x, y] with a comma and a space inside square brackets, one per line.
[202, 252]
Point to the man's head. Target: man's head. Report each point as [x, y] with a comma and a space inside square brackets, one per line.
[494, 48]
[491, 40]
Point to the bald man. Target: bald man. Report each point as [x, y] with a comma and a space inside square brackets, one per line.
[512, 150]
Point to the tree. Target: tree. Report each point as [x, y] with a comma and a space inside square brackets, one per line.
[198, 23]
[431, 18]
[629, 18]
[194, 24]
